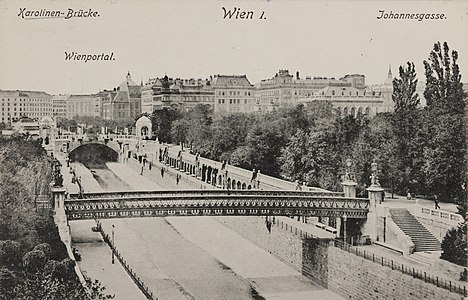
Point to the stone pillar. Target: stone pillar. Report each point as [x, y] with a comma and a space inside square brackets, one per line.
[349, 188]
[375, 198]
[338, 226]
[59, 204]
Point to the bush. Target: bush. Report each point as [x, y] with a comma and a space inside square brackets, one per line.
[454, 245]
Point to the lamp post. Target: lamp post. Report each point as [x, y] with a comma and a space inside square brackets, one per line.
[113, 245]
[345, 218]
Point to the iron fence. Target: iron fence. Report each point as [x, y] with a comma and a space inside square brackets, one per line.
[141, 285]
[452, 286]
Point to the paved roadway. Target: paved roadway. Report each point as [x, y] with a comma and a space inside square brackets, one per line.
[184, 257]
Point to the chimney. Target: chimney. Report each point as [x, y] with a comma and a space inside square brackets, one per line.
[297, 75]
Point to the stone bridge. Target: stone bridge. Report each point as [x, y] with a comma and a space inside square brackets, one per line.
[118, 143]
[213, 203]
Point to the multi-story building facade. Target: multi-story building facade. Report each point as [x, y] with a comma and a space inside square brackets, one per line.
[59, 104]
[18, 104]
[286, 90]
[123, 102]
[176, 93]
[83, 105]
[39, 105]
[233, 94]
[350, 100]
[385, 91]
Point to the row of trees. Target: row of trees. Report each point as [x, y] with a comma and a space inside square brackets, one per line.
[421, 150]
[34, 263]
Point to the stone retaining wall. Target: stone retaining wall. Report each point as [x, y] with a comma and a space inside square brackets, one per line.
[280, 241]
[344, 273]
[356, 278]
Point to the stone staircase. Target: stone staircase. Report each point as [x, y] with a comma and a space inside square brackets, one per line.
[421, 237]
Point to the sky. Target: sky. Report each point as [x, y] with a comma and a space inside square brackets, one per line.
[191, 39]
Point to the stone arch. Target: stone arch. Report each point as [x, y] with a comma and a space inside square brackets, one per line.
[203, 173]
[244, 186]
[144, 127]
[233, 184]
[359, 112]
[345, 111]
[93, 153]
[209, 174]
[367, 111]
[239, 185]
[249, 187]
[353, 111]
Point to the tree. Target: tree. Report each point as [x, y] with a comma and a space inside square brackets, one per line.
[404, 89]
[228, 133]
[34, 261]
[8, 281]
[162, 123]
[10, 254]
[446, 129]
[260, 151]
[443, 80]
[199, 132]
[454, 245]
[180, 130]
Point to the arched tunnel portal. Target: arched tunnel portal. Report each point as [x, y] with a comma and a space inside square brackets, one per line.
[93, 154]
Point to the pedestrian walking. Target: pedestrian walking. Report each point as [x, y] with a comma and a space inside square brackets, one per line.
[177, 179]
[436, 203]
[298, 186]
[162, 172]
[142, 168]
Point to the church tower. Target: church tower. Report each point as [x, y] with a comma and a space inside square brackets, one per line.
[389, 80]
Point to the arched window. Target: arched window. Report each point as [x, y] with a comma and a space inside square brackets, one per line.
[333, 93]
[367, 111]
[353, 111]
[345, 111]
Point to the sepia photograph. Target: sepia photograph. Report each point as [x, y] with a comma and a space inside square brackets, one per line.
[233, 149]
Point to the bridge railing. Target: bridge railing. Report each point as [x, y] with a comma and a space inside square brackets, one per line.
[228, 205]
[133, 194]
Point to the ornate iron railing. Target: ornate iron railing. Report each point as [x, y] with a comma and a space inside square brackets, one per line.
[216, 205]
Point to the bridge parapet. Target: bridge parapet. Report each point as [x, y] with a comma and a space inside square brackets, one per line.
[196, 204]
[208, 193]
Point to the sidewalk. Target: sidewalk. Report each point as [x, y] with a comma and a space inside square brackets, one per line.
[401, 201]
[96, 262]
[442, 269]
[168, 181]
